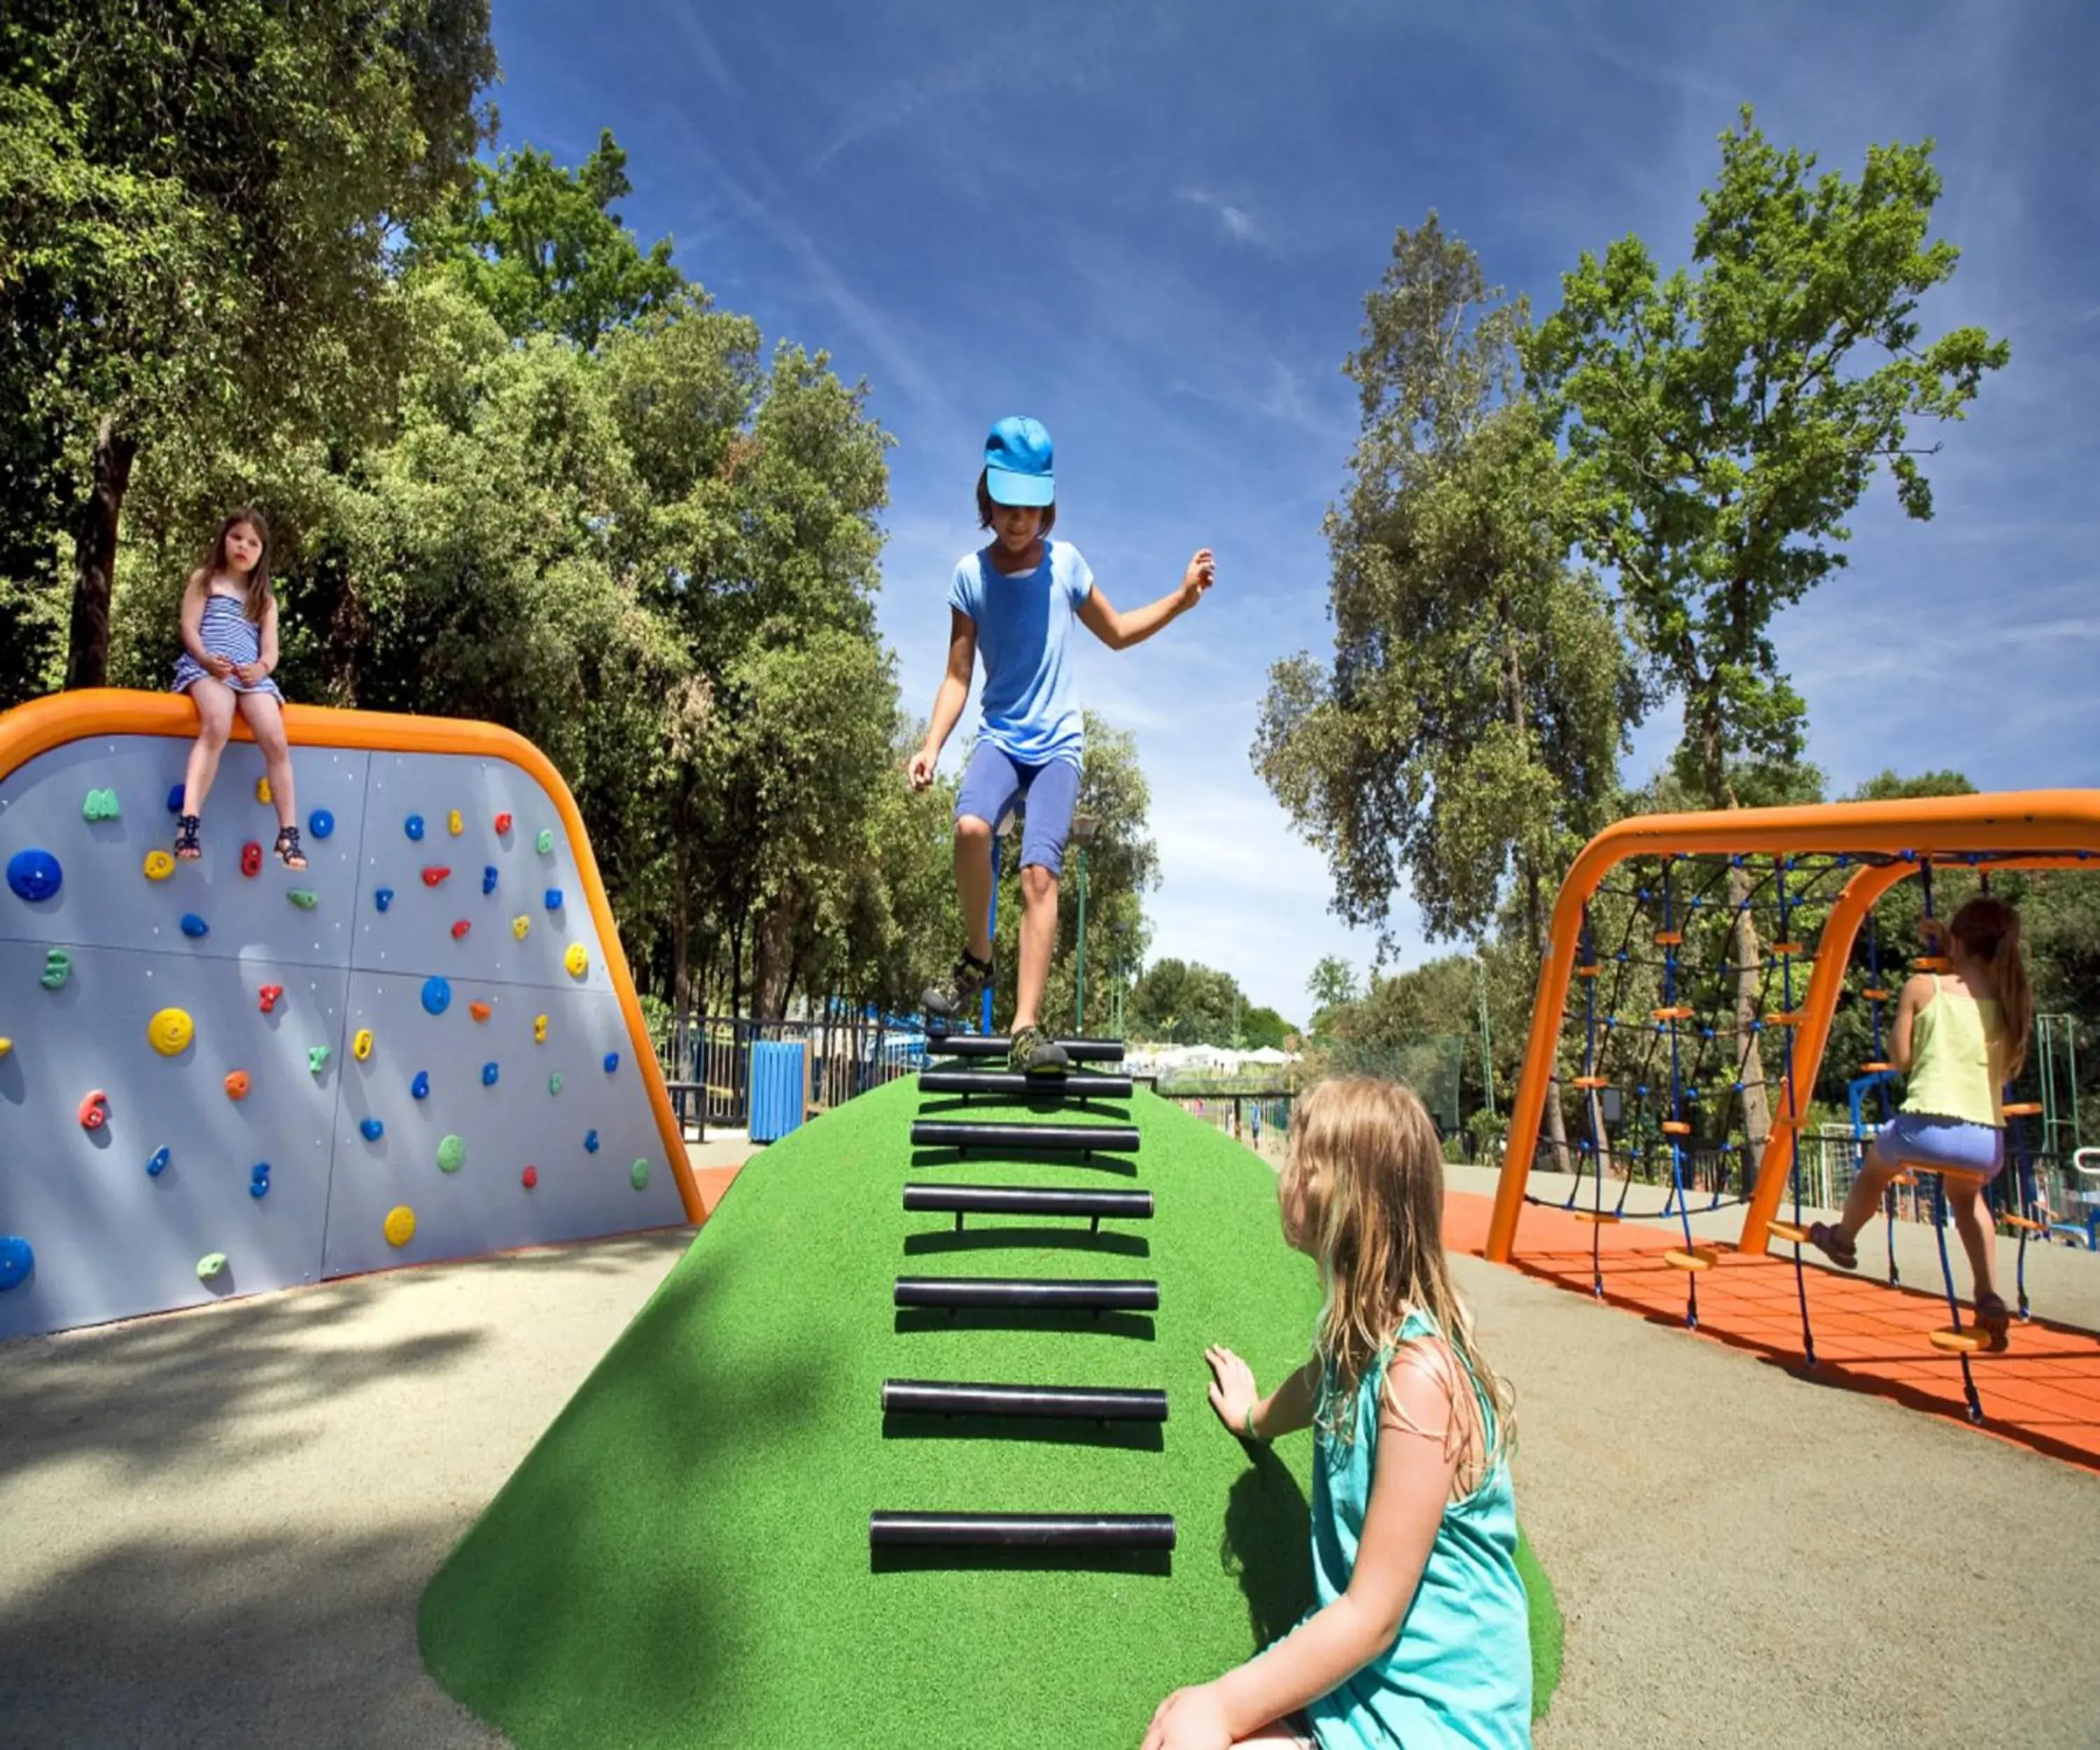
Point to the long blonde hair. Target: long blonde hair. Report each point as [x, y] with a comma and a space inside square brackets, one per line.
[1990, 929]
[1366, 1171]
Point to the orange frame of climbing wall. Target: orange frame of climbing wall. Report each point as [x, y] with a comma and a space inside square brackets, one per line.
[44, 724]
[2023, 829]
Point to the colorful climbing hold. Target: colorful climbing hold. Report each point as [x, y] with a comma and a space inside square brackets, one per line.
[194, 926]
[554, 1083]
[530, 1177]
[101, 805]
[382, 898]
[577, 960]
[503, 826]
[437, 995]
[590, 1142]
[170, 1031]
[452, 1155]
[269, 996]
[546, 841]
[259, 1179]
[553, 899]
[460, 930]
[156, 1162]
[521, 926]
[612, 1062]
[251, 859]
[263, 791]
[360, 1046]
[236, 1085]
[175, 800]
[6, 1045]
[58, 968]
[413, 826]
[304, 897]
[420, 1086]
[539, 1029]
[639, 1174]
[158, 866]
[371, 1128]
[34, 874]
[488, 1074]
[18, 1258]
[321, 823]
[400, 1225]
[479, 1010]
[488, 879]
[210, 1265]
[93, 1111]
[433, 873]
[453, 824]
[317, 1057]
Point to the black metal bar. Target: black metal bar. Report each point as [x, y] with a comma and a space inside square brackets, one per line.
[1053, 1293]
[1022, 1530]
[997, 1045]
[1028, 1200]
[935, 1397]
[1012, 1081]
[942, 1133]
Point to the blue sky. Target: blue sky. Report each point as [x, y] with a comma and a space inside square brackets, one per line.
[1152, 227]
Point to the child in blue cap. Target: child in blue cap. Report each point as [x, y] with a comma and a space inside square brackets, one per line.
[1013, 602]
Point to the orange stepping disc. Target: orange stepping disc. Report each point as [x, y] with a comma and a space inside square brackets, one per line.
[1795, 949]
[1785, 1018]
[1699, 1258]
[1790, 1231]
[1959, 1342]
[1874, 1068]
[2021, 1221]
[1606, 1081]
[1595, 1218]
[1679, 1013]
[1872, 993]
[1587, 972]
[1675, 1127]
[1669, 938]
[1930, 963]
[2021, 1108]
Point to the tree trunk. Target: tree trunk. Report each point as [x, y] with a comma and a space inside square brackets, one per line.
[95, 556]
[1750, 970]
[770, 962]
[1541, 937]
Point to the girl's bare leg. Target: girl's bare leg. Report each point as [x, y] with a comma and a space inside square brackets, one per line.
[215, 704]
[1980, 1238]
[1864, 1201]
[265, 721]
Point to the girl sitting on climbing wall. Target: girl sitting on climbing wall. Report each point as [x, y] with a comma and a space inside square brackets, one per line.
[229, 653]
[1959, 1037]
[1419, 1635]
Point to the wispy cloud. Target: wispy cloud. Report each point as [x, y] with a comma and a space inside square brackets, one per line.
[1238, 223]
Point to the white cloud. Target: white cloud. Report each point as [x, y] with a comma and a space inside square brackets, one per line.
[1238, 223]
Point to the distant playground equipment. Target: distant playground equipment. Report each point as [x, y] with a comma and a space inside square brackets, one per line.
[1663, 1043]
[281, 1085]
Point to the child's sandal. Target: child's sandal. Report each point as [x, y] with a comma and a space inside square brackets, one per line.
[1833, 1246]
[1994, 1319]
[289, 852]
[186, 848]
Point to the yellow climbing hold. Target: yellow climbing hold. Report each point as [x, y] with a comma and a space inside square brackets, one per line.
[400, 1225]
[159, 865]
[577, 959]
[5, 1046]
[539, 1029]
[360, 1048]
[169, 1032]
[519, 925]
[454, 824]
[262, 790]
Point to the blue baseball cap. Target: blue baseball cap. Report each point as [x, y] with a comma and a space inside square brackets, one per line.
[1018, 463]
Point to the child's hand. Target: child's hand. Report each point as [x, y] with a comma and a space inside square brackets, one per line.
[1190, 1719]
[250, 673]
[920, 767]
[1203, 572]
[217, 666]
[1232, 1390]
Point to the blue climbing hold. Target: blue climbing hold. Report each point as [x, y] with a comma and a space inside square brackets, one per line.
[414, 827]
[156, 1163]
[34, 874]
[382, 898]
[259, 1180]
[175, 800]
[18, 1258]
[437, 995]
[321, 823]
[488, 879]
[489, 1073]
[420, 1086]
[553, 899]
[590, 1142]
[612, 1062]
[371, 1128]
[194, 925]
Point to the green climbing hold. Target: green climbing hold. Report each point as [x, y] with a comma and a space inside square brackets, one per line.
[554, 1083]
[639, 1173]
[452, 1155]
[210, 1265]
[58, 968]
[304, 897]
[546, 841]
[317, 1059]
[101, 804]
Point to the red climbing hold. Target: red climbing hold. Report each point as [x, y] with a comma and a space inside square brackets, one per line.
[272, 995]
[93, 1111]
[502, 825]
[251, 858]
[460, 930]
[434, 874]
[531, 1177]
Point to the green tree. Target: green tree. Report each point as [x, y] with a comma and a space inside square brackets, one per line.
[1333, 983]
[1725, 422]
[1184, 1002]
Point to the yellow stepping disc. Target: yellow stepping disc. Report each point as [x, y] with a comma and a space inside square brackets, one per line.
[1699, 1258]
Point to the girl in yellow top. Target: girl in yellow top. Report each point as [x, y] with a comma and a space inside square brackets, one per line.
[1959, 1037]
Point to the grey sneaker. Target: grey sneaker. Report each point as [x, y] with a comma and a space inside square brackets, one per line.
[1033, 1052]
[944, 1000]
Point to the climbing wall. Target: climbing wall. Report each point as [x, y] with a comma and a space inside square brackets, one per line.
[413, 1049]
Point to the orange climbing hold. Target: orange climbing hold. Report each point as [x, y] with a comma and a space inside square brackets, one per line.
[236, 1085]
[480, 1010]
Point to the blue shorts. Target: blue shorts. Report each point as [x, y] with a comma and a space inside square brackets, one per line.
[995, 782]
[1917, 1139]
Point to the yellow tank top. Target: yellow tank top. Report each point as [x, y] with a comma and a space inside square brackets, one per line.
[1954, 1051]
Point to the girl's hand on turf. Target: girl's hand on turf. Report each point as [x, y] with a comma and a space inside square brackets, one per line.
[1190, 1719]
[1232, 1390]
[1203, 572]
[920, 767]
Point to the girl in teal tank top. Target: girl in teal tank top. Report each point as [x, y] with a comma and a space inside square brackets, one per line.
[1419, 1635]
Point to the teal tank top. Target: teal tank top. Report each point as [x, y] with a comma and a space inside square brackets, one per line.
[1458, 1676]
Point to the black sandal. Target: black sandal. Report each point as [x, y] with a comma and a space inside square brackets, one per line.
[186, 848]
[1994, 1319]
[1833, 1246]
[289, 852]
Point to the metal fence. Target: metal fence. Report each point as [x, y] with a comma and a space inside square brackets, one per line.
[707, 1061]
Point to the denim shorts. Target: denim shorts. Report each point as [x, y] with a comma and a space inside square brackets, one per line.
[995, 782]
[1917, 1139]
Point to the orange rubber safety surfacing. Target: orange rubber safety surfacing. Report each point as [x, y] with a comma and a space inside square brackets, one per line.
[2044, 1393]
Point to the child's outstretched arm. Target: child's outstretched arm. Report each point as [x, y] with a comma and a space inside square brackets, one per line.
[1119, 631]
[948, 703]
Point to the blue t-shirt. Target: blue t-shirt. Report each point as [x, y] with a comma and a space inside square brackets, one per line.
[1024, 624]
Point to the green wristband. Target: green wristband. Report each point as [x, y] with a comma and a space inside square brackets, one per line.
[1249, 1424]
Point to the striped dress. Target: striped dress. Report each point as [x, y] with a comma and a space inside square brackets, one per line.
[225, 630]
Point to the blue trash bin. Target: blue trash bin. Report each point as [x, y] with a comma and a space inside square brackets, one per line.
[777, 1088]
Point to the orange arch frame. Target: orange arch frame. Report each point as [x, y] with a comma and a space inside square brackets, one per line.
[2030, 829]
[44, 724]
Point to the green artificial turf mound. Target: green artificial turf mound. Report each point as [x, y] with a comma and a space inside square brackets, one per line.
[682, 1559]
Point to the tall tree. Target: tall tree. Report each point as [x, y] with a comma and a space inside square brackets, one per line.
[1725, 420]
